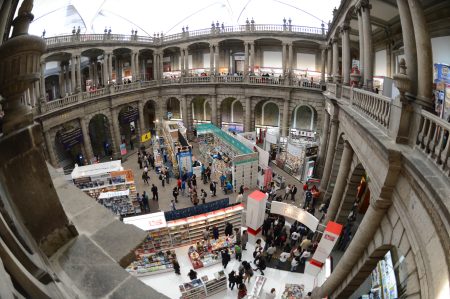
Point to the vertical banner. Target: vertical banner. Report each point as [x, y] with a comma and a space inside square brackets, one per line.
[123, 149]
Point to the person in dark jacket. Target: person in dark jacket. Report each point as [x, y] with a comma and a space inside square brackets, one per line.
[260, 263]
[192, 274]
[176, 267]
[225, 258]
[215, 232]
[232, 279]
[228, 229]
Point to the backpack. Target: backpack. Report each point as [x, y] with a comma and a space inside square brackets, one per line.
[160, 177]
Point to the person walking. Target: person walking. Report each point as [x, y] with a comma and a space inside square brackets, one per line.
[231, 279]
[176, 267]
[294, 264]
[192, 274]
[194, 197]
[242, 291]
[203, 196]
[305, 255]
[206, 234]
[172, 205]
[215, 232]
[282, 259]
[270, 251]
[244, 239]
[139, 200]
[228, 229]
[175, 193]
[167, 176]
[155, 192]
[145, 177]
[183, 187]
[239, 197]
[287, 192]
[179, 184]
[212, 188]
[162, 177]
[271, 294]
[305, 243]
[238, 252]
[294, 237]
[248, 272]
[238, 235]
[260, 264]
[308, 199]
[225, 258]
[293, 192]
[145, 202]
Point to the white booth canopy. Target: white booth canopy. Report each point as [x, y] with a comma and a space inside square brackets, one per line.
[96, 169]
[114, 194]
[147, 222]
[296, 213]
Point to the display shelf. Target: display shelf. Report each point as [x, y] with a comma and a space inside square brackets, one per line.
[293, 291]
[155, 263]
[257, 287]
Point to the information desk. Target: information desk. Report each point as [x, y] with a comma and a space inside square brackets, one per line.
[293, 291]
[155, 263]
[204, 287]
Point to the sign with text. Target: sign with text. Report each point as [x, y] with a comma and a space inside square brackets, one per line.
[129, 116]
[146, 137]
[71, 138]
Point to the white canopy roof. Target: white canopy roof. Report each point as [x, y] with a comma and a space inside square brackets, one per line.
[147, 222]
[96, 169]
[114, 194]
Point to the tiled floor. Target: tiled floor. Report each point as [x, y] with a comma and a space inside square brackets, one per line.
[167, 283]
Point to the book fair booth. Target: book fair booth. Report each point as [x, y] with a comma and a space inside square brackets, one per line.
[168, 230]
[231, 160]
[110, 185]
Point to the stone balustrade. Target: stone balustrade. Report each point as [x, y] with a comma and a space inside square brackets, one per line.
[376, 106]
[310, 32]
[346, 92]
[138, 85]
[332, 88]
[432, 139]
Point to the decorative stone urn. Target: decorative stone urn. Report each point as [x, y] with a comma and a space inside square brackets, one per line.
[402, 82]
[19, 69]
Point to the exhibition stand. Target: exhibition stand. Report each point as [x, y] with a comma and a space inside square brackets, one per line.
[179, 150]
[228, 156]
[110, 185]
[207, 253]
[154, 263]
[293, 291]
[204, 287]
[256, 208]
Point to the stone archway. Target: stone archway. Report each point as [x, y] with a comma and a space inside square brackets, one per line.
[100, 136]
[304, 117]
[201, 110]
[69, 146]
[174, 107]
[128, 126]
[267, 114]
[150, 114]
[335, 167]
[232, 114]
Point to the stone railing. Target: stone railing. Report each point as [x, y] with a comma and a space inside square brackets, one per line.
[230, 79]
[199, 79]
[56, 41]
[346, 92]
[115, 89]
[376, 106]
[432, 139]
[331, 88]
[266, 80]
[59, 103]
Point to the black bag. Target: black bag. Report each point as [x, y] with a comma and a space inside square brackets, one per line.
[254, 254]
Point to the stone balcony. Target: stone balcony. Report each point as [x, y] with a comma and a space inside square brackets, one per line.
[65, 41]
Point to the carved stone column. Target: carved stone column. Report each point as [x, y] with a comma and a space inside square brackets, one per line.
[141, 119]
[323, 61]
[252, 56]
[329, 63]
[72, 74]
[368, 50]
[361, 45]
[86, 140]
[283, 58]
[248, 114]
[213, 101]
[285, 124]
[216, 59]
[336, 76]
[341, 182]
[346, 63]
[246, 60]
[117, 140]
[211, 59]
[330, 154]
[43, 95]
[324, 138]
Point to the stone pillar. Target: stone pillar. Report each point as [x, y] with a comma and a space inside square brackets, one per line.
[78, 74]
[61, 81]
[117, 140]
[345, 31]
[364, 235]
[50, 151]
[329, 62]
[283, 58]
[43, 95]
[361, 46]
[252, 57]
[137, 67]
[324, 138]
[330, 155]
[217, 59]
[155, 67]
[182, 62]
[211, 59]
[341, 182]
[425, 59]
[132, 66]
[285, 124]
[72, 73]
[290, 58]
[110, 67]
[91, 71]
[213, 101]
[141, 119]
[186, 60]
[95, 72]
[335, 61]
[323, 57]
[248, 115]
[246, 60]
[86, 140]
[368, 50]
[105, 71]
[161, 65]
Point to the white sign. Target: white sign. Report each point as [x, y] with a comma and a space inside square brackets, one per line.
[114, 194]
[296, 213]
[147, 222]
[294, 150]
